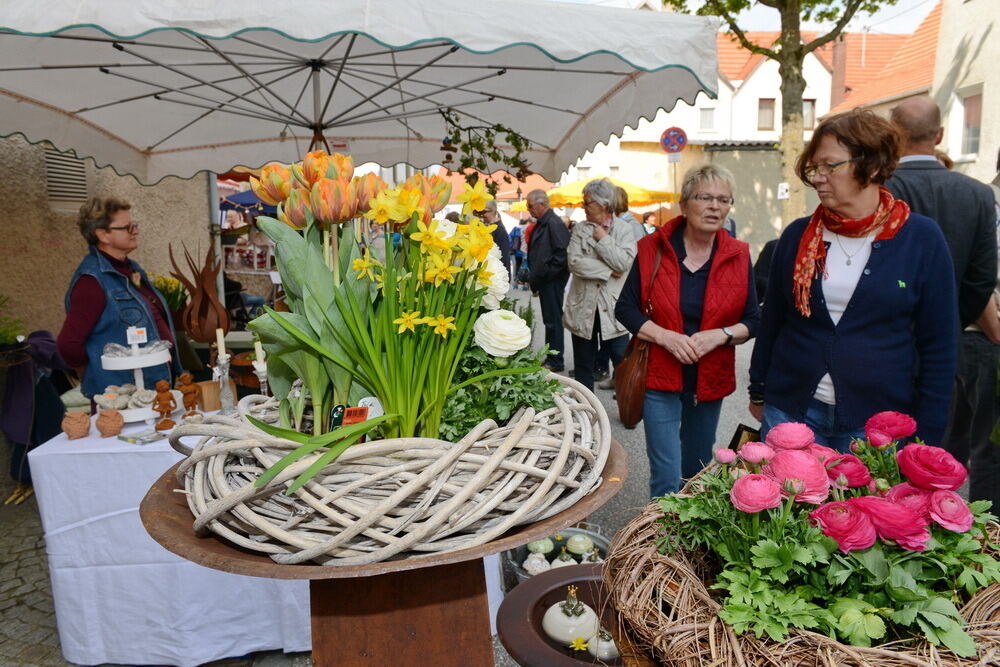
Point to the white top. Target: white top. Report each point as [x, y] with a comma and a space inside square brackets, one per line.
[845, 261]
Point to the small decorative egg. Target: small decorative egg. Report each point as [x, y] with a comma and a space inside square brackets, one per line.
[536, 563]
[579, 544]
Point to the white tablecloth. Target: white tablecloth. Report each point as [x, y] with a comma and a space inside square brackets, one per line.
[122, 598]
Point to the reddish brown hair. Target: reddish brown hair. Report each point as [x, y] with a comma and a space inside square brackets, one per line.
[96, 214]
[874, 141]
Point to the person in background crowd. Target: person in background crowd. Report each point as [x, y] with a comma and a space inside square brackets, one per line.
[491, 216]
[700, 305]
[649, 222]
[965, 210]
[944, 159]
[762, 268]
[856, 319]
[548, 272]
[518, 247]
[453, 216]
[109, 293]
[621, 211]
[600, 253]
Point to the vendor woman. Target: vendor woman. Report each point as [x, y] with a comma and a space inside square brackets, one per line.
[109, 293]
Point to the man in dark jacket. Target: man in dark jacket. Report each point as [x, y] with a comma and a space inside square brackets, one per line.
[964, 208]
[548, 272]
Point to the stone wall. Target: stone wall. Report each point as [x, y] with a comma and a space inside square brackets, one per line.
[41, 248]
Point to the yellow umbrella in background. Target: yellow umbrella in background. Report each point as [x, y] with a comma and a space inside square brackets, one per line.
[571, 195]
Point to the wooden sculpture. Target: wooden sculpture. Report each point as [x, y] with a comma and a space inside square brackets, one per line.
[164, 404]
[204, 313]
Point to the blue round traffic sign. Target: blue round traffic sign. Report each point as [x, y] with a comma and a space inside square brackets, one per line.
[673, 140]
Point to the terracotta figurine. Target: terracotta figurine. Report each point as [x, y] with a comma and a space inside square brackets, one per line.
[164, 404]
[76, 425]
[191, 392]
[109, 423]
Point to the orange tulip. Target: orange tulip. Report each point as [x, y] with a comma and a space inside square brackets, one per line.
[333, 201]
[274, 185]
[367, 188]
[439, 193]
[295, 211]
[340, 167]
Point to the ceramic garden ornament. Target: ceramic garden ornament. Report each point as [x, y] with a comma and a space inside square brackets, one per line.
[602, 646]
[76, 425]
[164, 404]
[570, 619]
[536, 563]
[109, 423]
[564, 559]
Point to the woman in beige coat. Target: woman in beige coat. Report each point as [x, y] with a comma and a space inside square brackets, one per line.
[600, 255]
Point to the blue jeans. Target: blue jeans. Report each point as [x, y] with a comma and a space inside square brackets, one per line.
[820, 417]
[679, 437]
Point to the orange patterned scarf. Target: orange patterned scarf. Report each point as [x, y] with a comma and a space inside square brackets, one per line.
[810, 260]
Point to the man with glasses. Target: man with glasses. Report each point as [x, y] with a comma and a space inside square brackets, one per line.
[964, 209]
[549, 272]
[109, 293]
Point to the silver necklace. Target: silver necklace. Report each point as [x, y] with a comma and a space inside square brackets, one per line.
[850, 255]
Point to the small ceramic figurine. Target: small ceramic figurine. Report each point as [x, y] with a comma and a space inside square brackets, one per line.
[191, 392]
[602, 646]
[76, 424]
[579, 544]
[142, 399]
[111, 399]
[109, 423]
[164, 404]
[594, 556]
[564, 559]
[535, 563]
[566, 621]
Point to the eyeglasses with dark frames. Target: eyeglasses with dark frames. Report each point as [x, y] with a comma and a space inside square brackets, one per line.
[811, 170]
[131, 228]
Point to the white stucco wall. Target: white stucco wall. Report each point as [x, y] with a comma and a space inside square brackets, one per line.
[41, 248]
[967, 57]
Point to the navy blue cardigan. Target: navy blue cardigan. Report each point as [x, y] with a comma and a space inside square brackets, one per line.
[894, 347]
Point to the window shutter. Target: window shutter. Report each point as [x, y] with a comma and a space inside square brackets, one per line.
[67, 180]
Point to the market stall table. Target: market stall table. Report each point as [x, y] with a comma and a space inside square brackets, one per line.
[122, 598]
[430, 610]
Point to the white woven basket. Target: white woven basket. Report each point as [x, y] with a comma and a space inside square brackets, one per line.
[393, 498]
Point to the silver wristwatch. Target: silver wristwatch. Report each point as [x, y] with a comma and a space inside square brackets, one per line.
[729, 335]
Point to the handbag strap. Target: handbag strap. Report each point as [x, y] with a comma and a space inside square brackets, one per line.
[648, 310]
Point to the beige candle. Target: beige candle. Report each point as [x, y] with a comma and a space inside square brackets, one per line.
[220, 339]
[258, 350]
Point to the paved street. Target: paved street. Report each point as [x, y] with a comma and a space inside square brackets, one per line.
[27, 621]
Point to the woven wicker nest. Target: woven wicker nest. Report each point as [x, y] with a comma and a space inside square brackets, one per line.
[393, 498]
[668, 610]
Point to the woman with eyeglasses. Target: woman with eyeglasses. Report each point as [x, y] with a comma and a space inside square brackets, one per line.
[860, 308]
[691, 295]
[109, 293]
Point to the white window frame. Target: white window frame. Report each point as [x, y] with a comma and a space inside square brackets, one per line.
[955, 124]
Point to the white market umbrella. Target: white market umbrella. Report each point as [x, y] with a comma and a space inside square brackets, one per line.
[174, 87]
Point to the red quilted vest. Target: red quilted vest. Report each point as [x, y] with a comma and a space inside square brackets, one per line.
[725, 298]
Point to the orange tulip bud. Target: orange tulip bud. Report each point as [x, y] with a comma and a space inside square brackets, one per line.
[439, 193]
[295, 211]
[340, 167]
[367, 188]
[274, 185]
[333, 201]
[313, 167]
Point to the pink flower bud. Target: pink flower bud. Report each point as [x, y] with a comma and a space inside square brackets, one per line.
[725, 455]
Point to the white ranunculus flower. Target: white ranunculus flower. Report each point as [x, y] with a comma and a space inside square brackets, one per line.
[495, 251]
[497, 285]
[501, 333]
[448, 228]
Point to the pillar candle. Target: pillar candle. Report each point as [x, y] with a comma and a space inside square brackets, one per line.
[258, 350]
[220, 338]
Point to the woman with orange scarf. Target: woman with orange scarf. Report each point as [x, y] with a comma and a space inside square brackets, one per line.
[860, 309]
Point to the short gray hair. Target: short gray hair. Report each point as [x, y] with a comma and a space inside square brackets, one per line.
[602, 191]
[491, 206]
[703, 174]
[538, 196]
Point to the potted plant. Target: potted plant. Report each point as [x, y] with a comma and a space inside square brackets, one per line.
[870, 557]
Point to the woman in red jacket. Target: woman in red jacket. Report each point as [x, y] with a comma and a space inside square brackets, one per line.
[691, 294]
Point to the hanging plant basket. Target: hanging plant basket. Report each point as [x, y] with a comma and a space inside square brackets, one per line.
[666, 604]
[393, 498]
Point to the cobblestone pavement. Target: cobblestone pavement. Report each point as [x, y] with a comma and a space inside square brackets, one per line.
[27, 619]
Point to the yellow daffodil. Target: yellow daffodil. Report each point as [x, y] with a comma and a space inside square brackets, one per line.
[408, 321]
[442, 325]
[579, 644]
[484, 275]
[384, 207]
[411, 200]
[366, 265]
[430, 237]
[474, 248]
[439, 268]
[475, 197]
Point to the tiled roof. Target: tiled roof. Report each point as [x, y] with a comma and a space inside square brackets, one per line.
[910, 70]
[867, 54]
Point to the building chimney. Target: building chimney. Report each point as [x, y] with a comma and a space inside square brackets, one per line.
[838, 82]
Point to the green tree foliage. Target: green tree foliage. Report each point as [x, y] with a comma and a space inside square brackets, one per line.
[789, 51]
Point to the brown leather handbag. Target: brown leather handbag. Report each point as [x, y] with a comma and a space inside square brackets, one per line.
[630, 374]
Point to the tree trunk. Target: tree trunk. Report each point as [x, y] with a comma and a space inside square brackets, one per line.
[793, 85]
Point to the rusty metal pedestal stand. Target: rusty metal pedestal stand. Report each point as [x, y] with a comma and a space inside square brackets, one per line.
[428, 610]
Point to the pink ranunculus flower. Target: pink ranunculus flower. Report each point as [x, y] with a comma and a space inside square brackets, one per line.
[756, 452]
[845, 523]
[950, 511]
[852, 468]
[755, 493]
[724, 455]
[894, 522]
[796, 464]
[823, 453]
[914, 497]
[885, 427]
[931, 467]
[790, 435]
